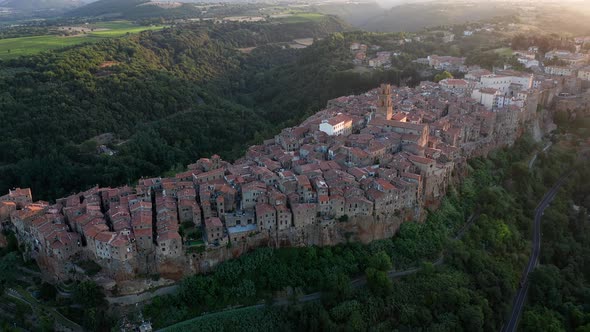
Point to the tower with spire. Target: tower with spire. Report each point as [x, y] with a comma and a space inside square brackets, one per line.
[384, 104]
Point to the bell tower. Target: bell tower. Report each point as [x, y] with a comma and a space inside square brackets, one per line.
[384, 104]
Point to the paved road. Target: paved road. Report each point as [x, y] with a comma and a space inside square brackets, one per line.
[519, 299]
[65, 323]
[532, 162]
[136, 298]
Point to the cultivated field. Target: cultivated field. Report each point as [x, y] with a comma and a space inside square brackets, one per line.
[15, 47]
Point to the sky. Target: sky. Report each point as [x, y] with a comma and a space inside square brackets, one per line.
[392, 3]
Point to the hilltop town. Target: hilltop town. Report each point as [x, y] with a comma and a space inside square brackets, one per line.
[353, 171]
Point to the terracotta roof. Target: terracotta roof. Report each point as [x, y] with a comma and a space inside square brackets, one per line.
[386, 185]
[104, 236]
[420, 160]
[490, 91]
[455, 82]
[339, 119]
[143, 232]
[213, 222]
[263, 208]
[410, 176]
[168, 235]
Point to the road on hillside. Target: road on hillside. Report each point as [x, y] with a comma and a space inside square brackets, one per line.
[532, 162]
[141, 297]
[63, 322]
[520, 297]
[358, 282]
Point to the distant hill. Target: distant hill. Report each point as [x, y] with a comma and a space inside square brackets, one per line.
[414, 16]
[133, 9]
[30, 5]
[21, 9]
[108, 8]
[355, 13]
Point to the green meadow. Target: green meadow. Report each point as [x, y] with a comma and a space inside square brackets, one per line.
[15, 47]
[504, 51]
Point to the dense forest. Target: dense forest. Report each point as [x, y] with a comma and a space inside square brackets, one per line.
[166, 97]
[147, 104]
[471, 291]
[560, 287]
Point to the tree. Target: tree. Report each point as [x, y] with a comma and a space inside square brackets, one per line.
[441, 76]
[337, 285]
[472, 318]
[8, 273]
[380, 261]
[541, 319]
[89, 294]
[47, 291]
[378, 282]
[342, 312]
[546, 286]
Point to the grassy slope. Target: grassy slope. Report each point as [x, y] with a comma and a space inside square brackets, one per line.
[15, 47]
[302, 18]
[504, 51]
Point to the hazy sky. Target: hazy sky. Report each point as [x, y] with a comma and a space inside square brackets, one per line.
[391, 3]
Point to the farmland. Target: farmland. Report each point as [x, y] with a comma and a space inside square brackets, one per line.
[14, 47]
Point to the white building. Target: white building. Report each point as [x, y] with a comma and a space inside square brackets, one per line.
[525, 54]
[556, 54]
[507, 81]
[559, 71]
[567, 56]
[488, 97]
[528, 63]
[584, 74]
[341, 124]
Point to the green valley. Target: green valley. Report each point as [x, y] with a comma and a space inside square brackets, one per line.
[11, 48]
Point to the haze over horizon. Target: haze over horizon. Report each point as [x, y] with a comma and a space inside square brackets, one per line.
[393, 3]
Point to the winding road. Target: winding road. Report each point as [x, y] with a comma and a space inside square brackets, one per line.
[532, 162]
[141, 297]
[520, 297]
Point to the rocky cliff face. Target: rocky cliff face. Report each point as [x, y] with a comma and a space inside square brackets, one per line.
[326, 233]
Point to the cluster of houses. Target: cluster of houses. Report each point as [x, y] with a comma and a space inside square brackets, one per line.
[381, 59]
[571, 64]
[493, 90]
[448, 63]
[558, 62]
[378, 158]
[528, 58]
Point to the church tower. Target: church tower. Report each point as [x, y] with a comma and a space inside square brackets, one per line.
[384, 104]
